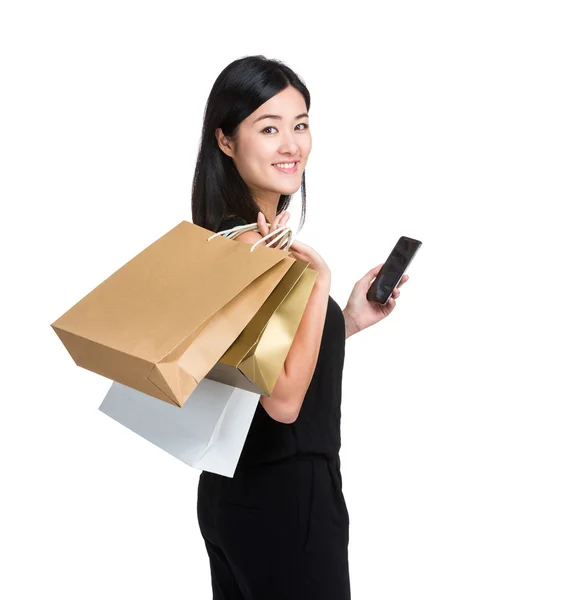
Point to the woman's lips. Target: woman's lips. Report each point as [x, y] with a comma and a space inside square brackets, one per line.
[293, 170]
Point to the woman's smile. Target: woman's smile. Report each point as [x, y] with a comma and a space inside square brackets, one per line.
[287, 167]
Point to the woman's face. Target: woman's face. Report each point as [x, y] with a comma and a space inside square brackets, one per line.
[276, 133]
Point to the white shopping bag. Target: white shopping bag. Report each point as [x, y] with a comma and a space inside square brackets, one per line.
[208, 432]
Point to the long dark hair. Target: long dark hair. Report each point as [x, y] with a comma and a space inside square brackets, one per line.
[243, 86]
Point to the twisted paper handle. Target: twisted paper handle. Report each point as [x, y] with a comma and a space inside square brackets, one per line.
[286, 236]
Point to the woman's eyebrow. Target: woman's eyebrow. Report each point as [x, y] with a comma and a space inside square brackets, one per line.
[278, 117]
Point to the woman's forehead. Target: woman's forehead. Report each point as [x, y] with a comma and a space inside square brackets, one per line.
[287, 104]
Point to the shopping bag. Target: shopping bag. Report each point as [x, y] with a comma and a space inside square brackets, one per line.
[255, 359]
[208, 432]
[162, 321]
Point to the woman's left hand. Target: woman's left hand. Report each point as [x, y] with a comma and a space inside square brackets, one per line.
[360, 313]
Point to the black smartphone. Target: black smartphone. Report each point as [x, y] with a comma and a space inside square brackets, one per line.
[393, 269]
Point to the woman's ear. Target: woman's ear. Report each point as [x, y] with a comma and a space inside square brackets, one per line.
[224, 142]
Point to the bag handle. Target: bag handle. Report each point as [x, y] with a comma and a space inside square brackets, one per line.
[286, 236]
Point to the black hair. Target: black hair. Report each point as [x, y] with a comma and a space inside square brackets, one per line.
[218, 189]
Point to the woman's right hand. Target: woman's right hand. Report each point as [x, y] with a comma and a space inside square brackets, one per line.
[280, 220]
[298, 249]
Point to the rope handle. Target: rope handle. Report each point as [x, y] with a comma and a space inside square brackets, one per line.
[286, 236]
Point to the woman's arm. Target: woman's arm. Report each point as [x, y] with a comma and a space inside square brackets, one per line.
[291, 387]
[289, 392]
[350, 324]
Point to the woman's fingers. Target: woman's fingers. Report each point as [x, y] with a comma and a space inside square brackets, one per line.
[262, 224]
[403, 279]
[367, 279]
[373, 272]
[282, 223]
[279, 221]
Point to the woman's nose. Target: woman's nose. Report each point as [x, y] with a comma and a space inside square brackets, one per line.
[289, 142]
[290, 148]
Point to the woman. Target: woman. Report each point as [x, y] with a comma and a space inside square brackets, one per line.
[279, 529]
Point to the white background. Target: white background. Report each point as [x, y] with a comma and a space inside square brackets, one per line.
[451, 122]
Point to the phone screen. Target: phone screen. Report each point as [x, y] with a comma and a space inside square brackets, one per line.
[393, 269]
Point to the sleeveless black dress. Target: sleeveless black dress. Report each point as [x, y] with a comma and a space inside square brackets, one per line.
[280, 527]
[317, 430]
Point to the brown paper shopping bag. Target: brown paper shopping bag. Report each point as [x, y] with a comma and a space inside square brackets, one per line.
[163, 320]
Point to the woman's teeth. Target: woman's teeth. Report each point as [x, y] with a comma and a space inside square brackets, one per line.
[287, 167]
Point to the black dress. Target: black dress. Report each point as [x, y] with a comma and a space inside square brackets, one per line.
[279, 529]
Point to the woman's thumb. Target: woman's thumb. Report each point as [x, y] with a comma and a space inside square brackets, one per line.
[373, 273]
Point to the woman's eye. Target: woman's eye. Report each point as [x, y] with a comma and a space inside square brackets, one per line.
[271, 127]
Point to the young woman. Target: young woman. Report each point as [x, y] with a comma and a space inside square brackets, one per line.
[279, 529]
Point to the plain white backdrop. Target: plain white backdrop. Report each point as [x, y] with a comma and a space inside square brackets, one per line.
[450, 122]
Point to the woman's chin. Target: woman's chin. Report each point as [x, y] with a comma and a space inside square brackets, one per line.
[288, 190]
